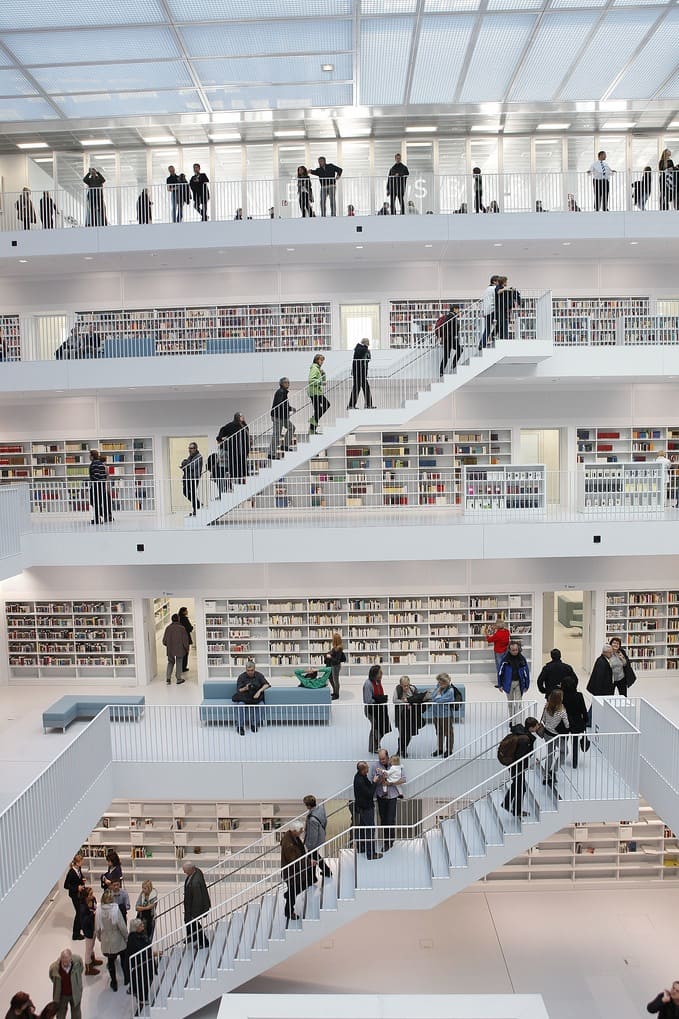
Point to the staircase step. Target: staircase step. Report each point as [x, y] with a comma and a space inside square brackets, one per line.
[329, 890]
[509, 823]
[438, 853]
[545, 795]
[235, 926]
[263, 932]
[490, 823]
[217, 948]
[167, 971]
[181, 978]
[405, 865]
[278, 918]
[247, 937]
[311, 910]
[455, 842]
[347, 874]
[473, 833]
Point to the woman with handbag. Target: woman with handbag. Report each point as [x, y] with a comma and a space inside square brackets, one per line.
[375, 708]
[335, 658]
[576, 709]
[555, 722]
[407, 713]
[624, 675]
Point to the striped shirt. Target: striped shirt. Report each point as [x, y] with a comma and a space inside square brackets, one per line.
[551, 722]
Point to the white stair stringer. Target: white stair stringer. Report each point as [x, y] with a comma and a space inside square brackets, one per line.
[380, 417]
[415, 874]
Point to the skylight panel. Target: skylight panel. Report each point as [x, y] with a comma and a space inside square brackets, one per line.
[92, 45]
[498, 48]
[29, 14]
[267, 38]
[440, 55]
[114, 77]
[136, 104]
[450, 6]
[223, 10]
[656, 61]
[555, 46]
[385, 49]
[670, 90]
[610, 48]
[280, 97]
[376, 7]
[26, 109]
[515, 5]
[13, 83]
[273, 70]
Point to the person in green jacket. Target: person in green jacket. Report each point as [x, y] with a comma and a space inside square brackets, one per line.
[315, 389]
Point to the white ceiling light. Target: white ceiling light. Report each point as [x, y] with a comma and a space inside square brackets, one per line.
[327, 67]
[416, 129]
[42, 159]
[674, 123]
[617, 125]
[553, 127]
[95, 142]
[612, 105]
[288, 134]
[32, 145]
[160, 139]
[488, 128]
[225, 136]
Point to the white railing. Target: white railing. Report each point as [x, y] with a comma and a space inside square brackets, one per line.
[15, 517]
[424, 193]
[659, 744]
[29, 823]
[597, 782]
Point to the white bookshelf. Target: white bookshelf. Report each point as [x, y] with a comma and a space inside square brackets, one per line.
[154, 838]
[161, 612]
[643, 444]
[648, 624]
[622, 487]
[412, 322]
[424, 633]
[61, 640]
[598, 321]
[504, 488]
[10, 338]
[640, 850]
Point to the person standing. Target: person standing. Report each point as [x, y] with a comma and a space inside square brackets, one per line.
[396, 184]
[96, 210]
[478, 189]
[111, 930]
[555, 723]
[601, 174]
[88, 912]
[523, 746]
[196, 904]
[499, 636]
[251, 687]
[364, 812]
[176, 202]
[98, 485]
[48, 211]
[315, 826]
[554, 673]
[387, 794]
[200, 191]
[121, 898]
[141, 972]
[66, 975]
[335, 658]
[513, 675]
[21, 1007]
[447, 331]
[601, 680]
[359, 374]
[305, 195]
[442, 713]
[192, 468]
[75, 883]
[316, 389]
[666, 1004]
[234, 447]
[576, 709]
[282, 428]
[144, 206]
[375, 708]
[176, 644]
[667, 180]
[25, 209]
[624, 675]
[145, 905]
[507, 300]
[407, 713]
[188, 626]
[328, 175]
[114, 871]
[297, 868]
[488, 300]
[641, 189]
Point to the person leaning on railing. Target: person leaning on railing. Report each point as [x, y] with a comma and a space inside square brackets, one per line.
[297, 867]
[375, 708]
[442, 710]
[316, 823]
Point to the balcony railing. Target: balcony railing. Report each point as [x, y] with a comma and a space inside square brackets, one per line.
[424, 194]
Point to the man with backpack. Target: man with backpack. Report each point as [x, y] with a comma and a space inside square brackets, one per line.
[512, 752]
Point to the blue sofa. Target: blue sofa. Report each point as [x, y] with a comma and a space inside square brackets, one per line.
[284, 704]
[87, 706]
[129, 346]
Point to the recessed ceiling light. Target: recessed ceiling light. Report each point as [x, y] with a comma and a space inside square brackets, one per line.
[417, 129]
[42, 159]
[289, 249]
[488, 128]
[23, 260]
[498, 244]
[566, 244]
[429, 245]
[32, 145]
[617, 125]
[225, 136]
[674, 123]
[553, 127]
[634, 242]
[88, 258]
[160, 139]
[327, 67]
[612, 105]
[359, 247]
[95, 142]
[288, 134]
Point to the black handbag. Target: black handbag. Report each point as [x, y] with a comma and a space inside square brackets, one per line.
[584, 743]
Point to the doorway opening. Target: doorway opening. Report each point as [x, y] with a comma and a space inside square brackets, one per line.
[543, 446]
[178, 450]
[358, 321]
[566, 619]
[157, 617]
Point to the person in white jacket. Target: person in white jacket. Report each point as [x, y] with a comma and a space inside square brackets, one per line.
[111, 930]
[488, 300]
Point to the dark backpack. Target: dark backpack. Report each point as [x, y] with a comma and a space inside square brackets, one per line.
[506, 751]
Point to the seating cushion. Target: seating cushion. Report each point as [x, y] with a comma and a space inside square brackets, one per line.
[284, 703]
[86, 706]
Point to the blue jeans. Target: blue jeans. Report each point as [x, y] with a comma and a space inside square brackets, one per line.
[250, 714]
[499, 655]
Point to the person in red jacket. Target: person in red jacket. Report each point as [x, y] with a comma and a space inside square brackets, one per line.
[498, 635]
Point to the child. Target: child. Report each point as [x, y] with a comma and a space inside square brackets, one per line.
[393, 774]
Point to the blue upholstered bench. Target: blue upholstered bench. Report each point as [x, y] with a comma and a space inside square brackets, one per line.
[458, 710]
[129, 346]
[284, 704]
[87, 706]
[230, 345]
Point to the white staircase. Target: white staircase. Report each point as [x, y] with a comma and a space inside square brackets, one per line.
[453, 846]
[399, 395]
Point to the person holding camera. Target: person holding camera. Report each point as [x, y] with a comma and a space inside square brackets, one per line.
[249, 696]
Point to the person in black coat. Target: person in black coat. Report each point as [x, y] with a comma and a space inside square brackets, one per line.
[328, 174]
[141, 970]
[576, 709]
[396, 184]
[629, 676]
[553, 673]
[96, 210]
[478, 189]
[196, 903]
[114, 872]
[601, 681]
[305, 193]
[282, 428]
[200, 191]
[641, 189]
[98, 485]
[75, 883]
[48, 211]
[526, 734]
[447, 330]
[188, 626]
[359, 374]
[364, 811]
[234, 444]
[144, 203]
[666, 1004]
[192, 468]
